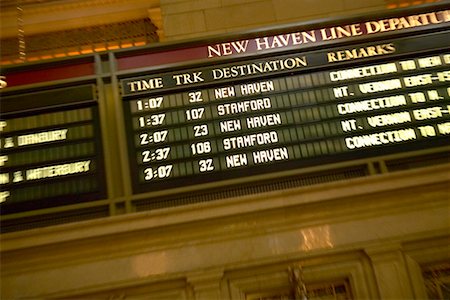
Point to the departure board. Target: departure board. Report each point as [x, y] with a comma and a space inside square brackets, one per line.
[51, 151]
[258, 115]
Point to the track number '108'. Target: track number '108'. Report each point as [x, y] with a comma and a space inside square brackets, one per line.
[201, 148]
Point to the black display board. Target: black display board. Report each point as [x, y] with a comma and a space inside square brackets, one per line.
[51, 150]
[192, 124]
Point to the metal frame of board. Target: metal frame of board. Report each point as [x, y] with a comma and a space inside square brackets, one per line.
[110, 69]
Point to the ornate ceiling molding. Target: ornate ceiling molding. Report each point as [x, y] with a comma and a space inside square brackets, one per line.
[42, 16]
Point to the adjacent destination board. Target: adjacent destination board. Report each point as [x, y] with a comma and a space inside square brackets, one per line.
[214, 122]
[51, 152]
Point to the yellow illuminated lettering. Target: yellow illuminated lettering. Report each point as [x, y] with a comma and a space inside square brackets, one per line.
[444, 76]
[143, 85]
[4, 178]
[418, 80]
[42, 137]
[428, 62]
[188, 78]
[3, 160]
[349, 125]
[408, 65]
[225, 92]
[4, 196]
[447, 58]
[58, 170]
[380, 138]
[17, 176]
[389, 119]
[427, 131]
[270, 155]
[236, 160]
[444, 128]
[434, 95]
[417, 97]
[427, 113]
[380, 86]
[340, 92]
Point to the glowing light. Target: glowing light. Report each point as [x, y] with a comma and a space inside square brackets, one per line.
[316, 238]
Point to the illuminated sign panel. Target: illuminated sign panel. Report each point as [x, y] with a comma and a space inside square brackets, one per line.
[301, 37]
[212, 122]
[50, 149]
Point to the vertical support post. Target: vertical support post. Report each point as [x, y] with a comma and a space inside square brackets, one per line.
[121, 135]
[206, 285]
[415, 273]
[391, 272]
[297, 282]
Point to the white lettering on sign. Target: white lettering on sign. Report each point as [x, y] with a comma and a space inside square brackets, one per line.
[224, 92]
[349, 125]
[427, 131]
[444, 128]
[357, 53]
[434, 95]
[326, 34]
[18, 176]
[417, 97]
[3, 160]
[236, 160]
[427, 113]
[363, 72]
[263, 121]
[381, 138]
[380, 86]
[230, 125]
[406, 22]
[339, 32]
[8, 143]
[4, 196]
[250, 140]
[408, 65]
[428, 62]
[285, 40]
[257, 87]
[58, 170]
[244, 106]
[259, 68]
[389, 119]
[4, 178]
[188, 78]
[418, 80]
[3, 124]
[340, 92]
[42, 137]
[371, 104]
[270, 155]
[226, 49]
[144, 85]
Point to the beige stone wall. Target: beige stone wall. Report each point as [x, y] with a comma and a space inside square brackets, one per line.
[377, 232]
[198, 18]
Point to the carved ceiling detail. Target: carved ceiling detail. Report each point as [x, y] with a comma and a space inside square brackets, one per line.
[42, 16]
